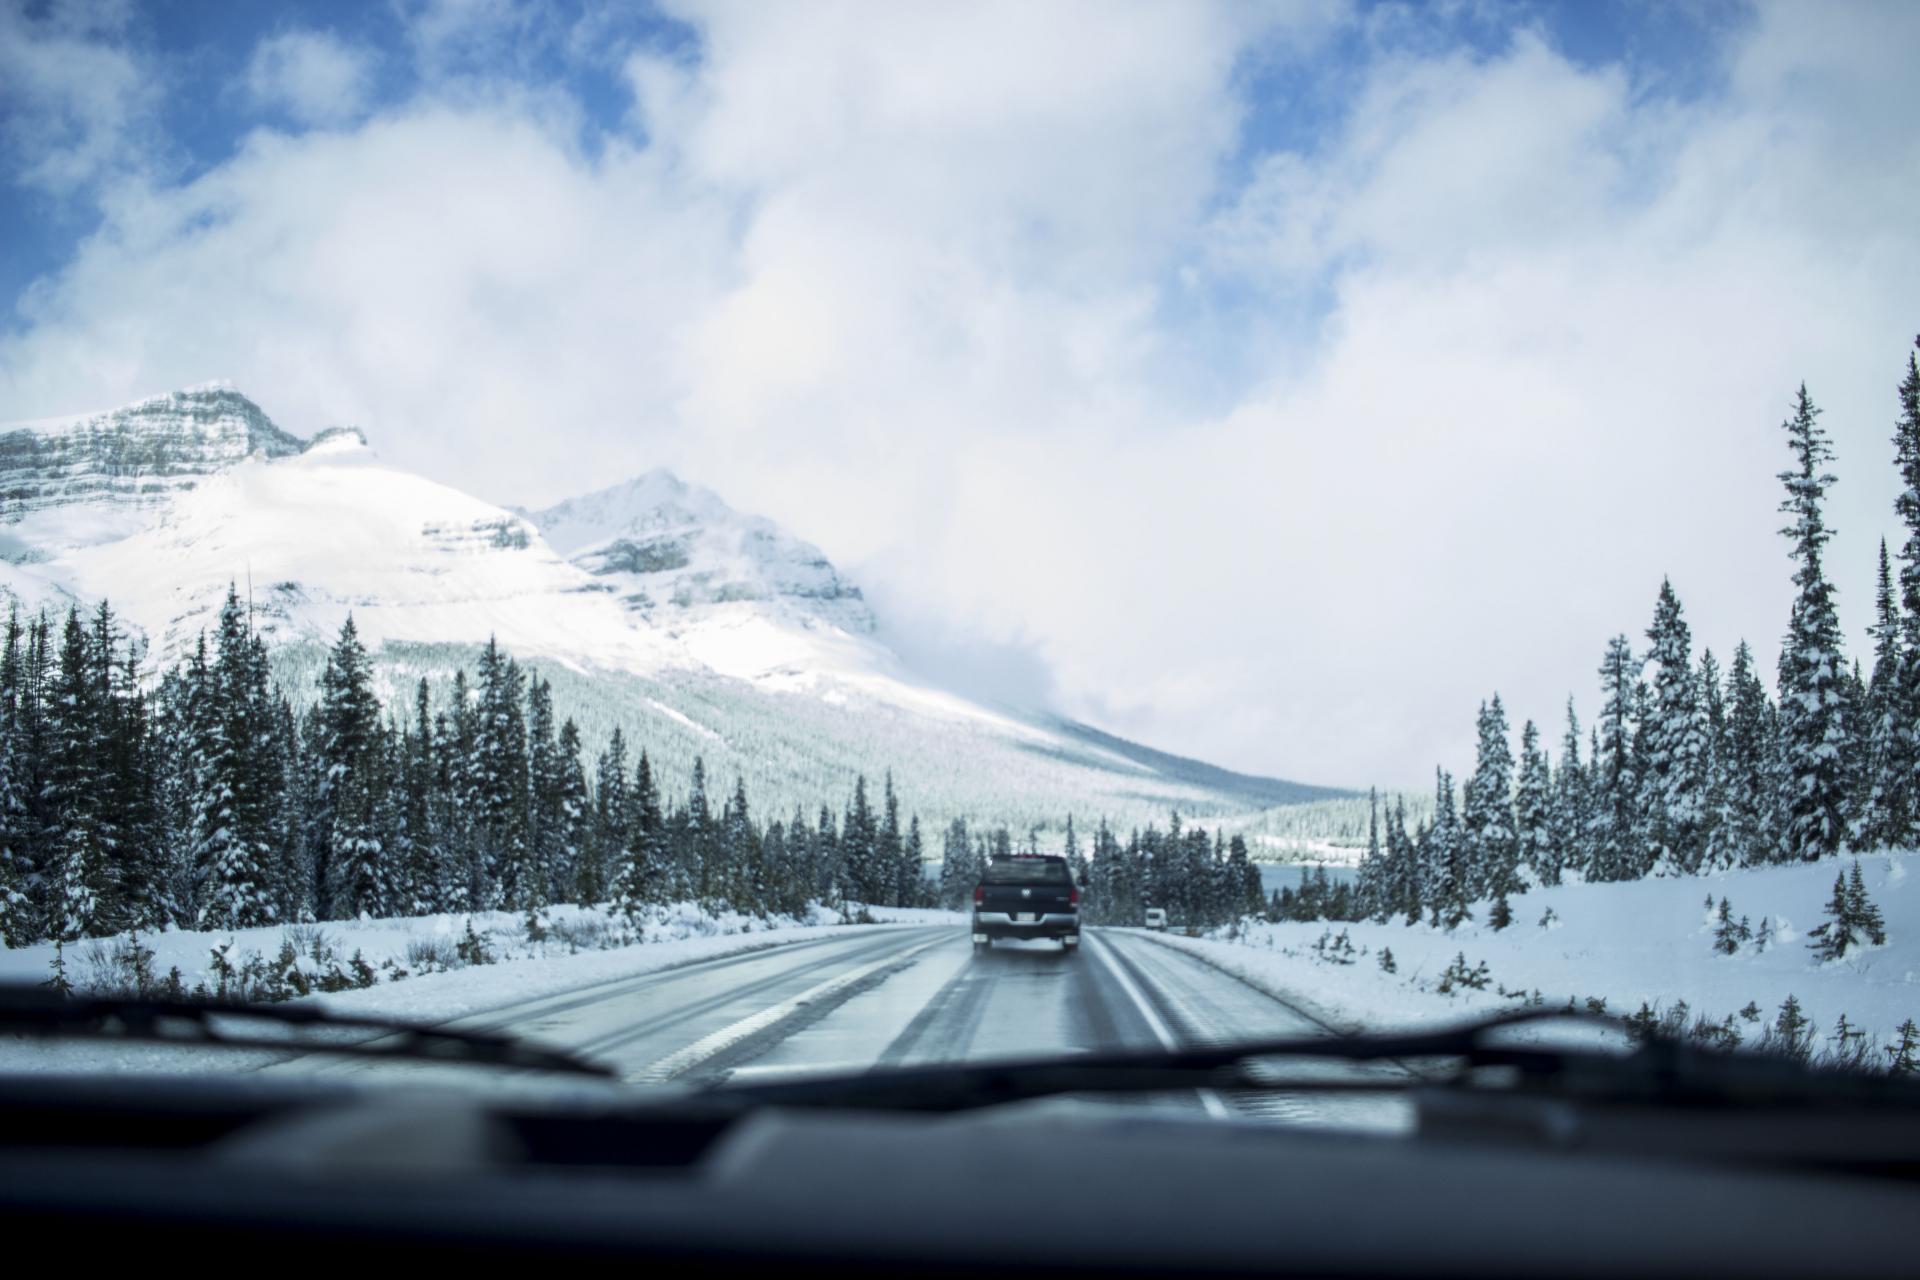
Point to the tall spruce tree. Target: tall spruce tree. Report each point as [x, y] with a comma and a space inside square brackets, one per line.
[79, 861]
[1613, 822]
[1489, 847]
[349, 719]
[1816, 739]
[1906, 446]
[500, 771]
[237, 782]
[1883, 815]
[1533, 811]
[1673, 786]
[1572, 815]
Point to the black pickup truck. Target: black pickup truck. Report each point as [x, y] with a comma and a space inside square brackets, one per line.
[1026, 897]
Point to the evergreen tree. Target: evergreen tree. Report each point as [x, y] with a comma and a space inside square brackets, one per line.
[1533, 811]
[349, 718]
[354, 858]
[501, 776]
[1866, 916]
[606, 848]
[1443, 855]
[957, 875]
[1613, 821]
[1490, 848]
[642, 874]
[1572, 815]
[1906, 444]
[237, 785]
[548, 836]
[1816, 738]
[1673, 786]
[1903, 1053]
[1883, 816]
[79, 858]
[1373, 869]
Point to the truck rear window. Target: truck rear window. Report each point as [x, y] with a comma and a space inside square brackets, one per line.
[1028, 871]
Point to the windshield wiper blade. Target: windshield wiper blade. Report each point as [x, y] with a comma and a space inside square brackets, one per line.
[1660, 1072]
[39, 1011]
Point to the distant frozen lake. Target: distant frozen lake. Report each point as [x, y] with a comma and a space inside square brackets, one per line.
[1288, 875]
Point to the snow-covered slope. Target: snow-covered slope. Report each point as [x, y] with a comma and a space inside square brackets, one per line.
[652, 605]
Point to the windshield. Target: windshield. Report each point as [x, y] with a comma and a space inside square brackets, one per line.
[666, 531]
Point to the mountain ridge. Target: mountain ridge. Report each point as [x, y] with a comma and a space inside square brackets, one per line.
[650, 604]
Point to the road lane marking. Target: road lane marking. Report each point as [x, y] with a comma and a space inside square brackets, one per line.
[709, 1046]
[1208, 1098]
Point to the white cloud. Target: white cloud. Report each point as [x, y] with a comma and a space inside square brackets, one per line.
[313, 76]
[926, 285]
[72, 99]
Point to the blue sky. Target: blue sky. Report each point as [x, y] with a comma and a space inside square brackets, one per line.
[1393, 352]
[197, 54]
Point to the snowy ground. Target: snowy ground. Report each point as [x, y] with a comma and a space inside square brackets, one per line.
[1645, 941]
[417, 965]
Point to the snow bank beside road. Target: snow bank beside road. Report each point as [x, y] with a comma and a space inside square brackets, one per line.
[1638, 942]
[418, 964]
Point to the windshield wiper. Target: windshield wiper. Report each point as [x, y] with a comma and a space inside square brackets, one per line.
[32, 1010]
[1661, 1072]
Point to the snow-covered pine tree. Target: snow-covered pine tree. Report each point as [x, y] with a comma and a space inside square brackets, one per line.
[1371, 880]
[418, 811]
[1882, 816]
[1747, 766]
[1408, 875]
[236, 781]
[1790, 1029]
[502, 781]
[1906, 445]
[572, 814]
[547, 833]
[1717, 854]
[641, 874]
[1613, 825]
[699, 852]
[954, 858]
[349, 717]
[17, 924]
[1571, 813]
[1903, 1051]
[607, 841]
[1816, 738]
[741, 882]
[859, 833]
[1533, 810]
[916, 858]
[78, 866]
[1852, 919]
[1866, 916]
[1490, 849]
[1673, 788]
[1726, 932]
[892, 877]
[1442, 857]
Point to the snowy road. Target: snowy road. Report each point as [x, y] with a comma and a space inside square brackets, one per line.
[908, 996]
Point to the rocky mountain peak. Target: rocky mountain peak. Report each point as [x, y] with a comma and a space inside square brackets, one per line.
[660, 541]
[137, 454]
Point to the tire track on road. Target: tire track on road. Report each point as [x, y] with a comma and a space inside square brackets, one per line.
[746, 1038]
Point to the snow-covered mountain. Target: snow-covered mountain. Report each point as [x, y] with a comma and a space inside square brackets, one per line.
[651, 605]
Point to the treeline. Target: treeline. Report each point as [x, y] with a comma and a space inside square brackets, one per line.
[211, 802]
[1691, 768]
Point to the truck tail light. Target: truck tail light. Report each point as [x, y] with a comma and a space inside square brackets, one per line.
[1073, 897]
[979, 895]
